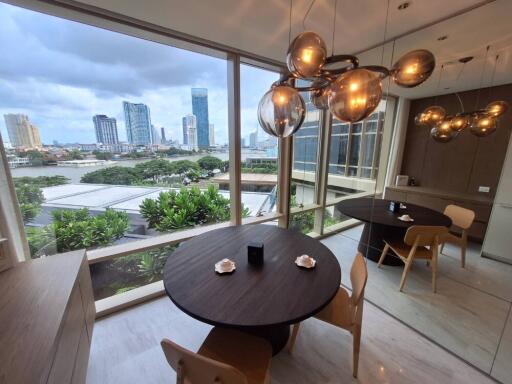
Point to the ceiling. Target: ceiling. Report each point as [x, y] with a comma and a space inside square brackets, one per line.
[262, 27]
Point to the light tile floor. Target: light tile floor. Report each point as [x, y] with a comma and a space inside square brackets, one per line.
[468, 314]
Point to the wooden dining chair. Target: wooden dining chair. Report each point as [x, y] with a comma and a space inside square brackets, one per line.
[414, 246]
[462, 218]
[345, 311]
[227, 356]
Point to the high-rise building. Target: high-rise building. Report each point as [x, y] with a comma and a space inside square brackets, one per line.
[106, 129]
[162, 135]
[188, 122]
[137, 120]
[211, 134]
[155, 138]
[200, 110]
[253, 139]
[22, 133]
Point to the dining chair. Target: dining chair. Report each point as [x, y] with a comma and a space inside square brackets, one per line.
[345, 311]
[227, 356]
[462, 218]
[414, 246]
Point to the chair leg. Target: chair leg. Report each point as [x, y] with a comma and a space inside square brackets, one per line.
[434, 273]
[442, 247]
[463, 253]
[356, 335]
[404, 274]
[295, 331]
[383, 255]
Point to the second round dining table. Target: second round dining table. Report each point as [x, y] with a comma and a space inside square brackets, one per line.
[264, 300]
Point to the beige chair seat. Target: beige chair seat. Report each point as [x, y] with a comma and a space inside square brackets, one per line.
[402, 250]
[249, 354]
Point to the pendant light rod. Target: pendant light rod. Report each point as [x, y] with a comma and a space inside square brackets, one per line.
[290, 26]
[334, 27]
[307, 13]
[482, 77]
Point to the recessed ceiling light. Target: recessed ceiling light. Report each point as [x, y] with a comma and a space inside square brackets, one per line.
[441, 38]
[446, 87]
[404, 5]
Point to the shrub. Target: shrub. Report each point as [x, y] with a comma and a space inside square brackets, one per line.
[75, 229]
[41, 181]
[210, 163]
[30, 198]
[113, 175]
[178, 210]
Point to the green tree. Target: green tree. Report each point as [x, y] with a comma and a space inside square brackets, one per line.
[113, 175]
[154, 169]
[41, 181]
[210, 163]
[76, 229]
[75, 154]
[103, 155]
[30, 198]
[189, 207]
[183, 166]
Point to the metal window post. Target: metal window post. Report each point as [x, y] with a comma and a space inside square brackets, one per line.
[234, 127]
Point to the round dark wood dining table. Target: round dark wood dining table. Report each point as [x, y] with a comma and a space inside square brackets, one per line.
[263, 300]
[381, 223]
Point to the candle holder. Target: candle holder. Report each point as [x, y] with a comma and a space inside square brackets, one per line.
[255, 253]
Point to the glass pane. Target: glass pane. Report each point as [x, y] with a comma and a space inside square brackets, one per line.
[303, 221]
[369, 146]
[355, 149]
[333, 216]
[305, 152]
[113, 162]
[125, 273]
[260, 151]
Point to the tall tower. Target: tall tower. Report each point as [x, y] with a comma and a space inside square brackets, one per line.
[189, 122]
[211, 136]
[200, 110]
[106, 129]
[162, 135]
[137, 120]
[22, 133]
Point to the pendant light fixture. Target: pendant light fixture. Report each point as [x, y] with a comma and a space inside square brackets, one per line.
[481, 122]
[350, 92]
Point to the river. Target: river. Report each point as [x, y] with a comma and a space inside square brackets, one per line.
[75, 174]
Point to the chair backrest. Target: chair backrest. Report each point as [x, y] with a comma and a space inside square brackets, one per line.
[461, 217]
[424, 235]
[358, 277]
[192, 368]
[344, 310]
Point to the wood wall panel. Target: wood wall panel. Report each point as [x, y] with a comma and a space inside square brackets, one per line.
[466, 162]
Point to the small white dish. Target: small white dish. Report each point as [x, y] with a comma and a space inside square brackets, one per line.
[405, 218]
[403, 206]
[225, 266]
[305, 261]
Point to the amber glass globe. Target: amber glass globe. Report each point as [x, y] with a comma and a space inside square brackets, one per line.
[320, 98]
[442, 132]
[421, 120]
[413, 68]
[306, 55]
[497, 108]
[434, 115]
[483, 125]
[355, 95]
[281, 111]
[460, 123]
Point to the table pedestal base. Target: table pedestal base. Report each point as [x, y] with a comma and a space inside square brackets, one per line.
[276, 335]
[372, 242]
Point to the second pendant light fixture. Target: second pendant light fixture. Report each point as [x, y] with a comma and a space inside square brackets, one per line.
[351, 92]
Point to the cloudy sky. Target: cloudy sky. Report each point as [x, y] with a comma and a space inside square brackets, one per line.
[61, 73]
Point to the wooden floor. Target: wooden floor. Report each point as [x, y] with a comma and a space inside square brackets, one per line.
[470, 313]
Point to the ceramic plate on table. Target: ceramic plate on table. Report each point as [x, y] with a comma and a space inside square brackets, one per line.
[305, 261]
[407, 220]
[225, 266]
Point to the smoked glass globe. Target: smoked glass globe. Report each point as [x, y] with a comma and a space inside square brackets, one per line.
[421, 120]
[434, 115]
[355, 95]
[281, 111]
[442, 132]
[320, 98]
[413, 68]
[306, 55]
[483, 125]
[460, 123]
[497, 108]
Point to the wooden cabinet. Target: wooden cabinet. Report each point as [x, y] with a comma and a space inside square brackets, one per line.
[438, 200]
[47, 316]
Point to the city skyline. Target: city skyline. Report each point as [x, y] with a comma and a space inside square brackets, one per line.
[61, 86]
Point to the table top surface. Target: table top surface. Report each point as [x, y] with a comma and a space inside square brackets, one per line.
[376, 211]
[278, 293]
